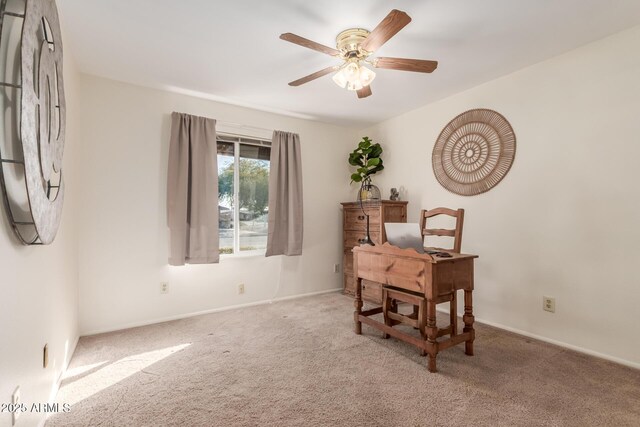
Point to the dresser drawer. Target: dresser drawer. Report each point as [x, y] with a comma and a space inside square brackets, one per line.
[395, 214]
[351, 238]
[354, 219]
[349, 283]
[347, 262]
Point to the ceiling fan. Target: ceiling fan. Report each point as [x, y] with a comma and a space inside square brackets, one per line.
[354, 47]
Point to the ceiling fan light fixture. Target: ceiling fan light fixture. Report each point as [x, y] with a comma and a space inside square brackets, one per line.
[353, 76]
[348, 76]
[340, 78]
[366, 76]
[356, 85]
[352, 71]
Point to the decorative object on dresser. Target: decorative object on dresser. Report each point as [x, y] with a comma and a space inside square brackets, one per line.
[366, 158]
[474, 152]
[394, 195]
[31, 151]
[354, 229]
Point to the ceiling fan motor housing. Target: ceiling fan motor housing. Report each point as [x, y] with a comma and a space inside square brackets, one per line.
[348, 43]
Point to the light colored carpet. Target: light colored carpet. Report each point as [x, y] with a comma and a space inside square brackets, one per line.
[298, 362]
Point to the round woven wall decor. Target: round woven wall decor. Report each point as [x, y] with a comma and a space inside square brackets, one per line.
[474, 152]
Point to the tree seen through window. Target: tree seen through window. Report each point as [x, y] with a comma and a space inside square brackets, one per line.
[248, 206]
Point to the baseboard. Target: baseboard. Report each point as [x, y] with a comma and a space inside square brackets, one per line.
[56, 386]
[554, 342]
[199, 313]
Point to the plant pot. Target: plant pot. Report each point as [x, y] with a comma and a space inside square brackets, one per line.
[368, 192]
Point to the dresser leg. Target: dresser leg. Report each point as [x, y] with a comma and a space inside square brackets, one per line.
[357, 303]
[468, 322]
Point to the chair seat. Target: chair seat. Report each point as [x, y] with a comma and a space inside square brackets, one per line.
[418, 319]
[410, 295]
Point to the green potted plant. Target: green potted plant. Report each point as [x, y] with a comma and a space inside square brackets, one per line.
[366, 158]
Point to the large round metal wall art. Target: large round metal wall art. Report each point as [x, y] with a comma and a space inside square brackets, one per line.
[474, 152]
[41, 107]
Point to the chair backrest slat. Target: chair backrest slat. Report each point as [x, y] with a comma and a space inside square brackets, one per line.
[455, 233]
[438, 232]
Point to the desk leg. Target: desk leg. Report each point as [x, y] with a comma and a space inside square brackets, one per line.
[422, 323]
[386, 307]
[357, 303]
[432, 334]
[468, 322]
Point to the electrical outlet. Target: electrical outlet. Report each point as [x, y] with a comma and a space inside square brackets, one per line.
[164, 288]
[336, 268]
[241, 288]
[549, 304]
[17, 402]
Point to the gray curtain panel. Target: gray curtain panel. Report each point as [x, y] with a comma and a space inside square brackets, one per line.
[192, 191]
[285, 196]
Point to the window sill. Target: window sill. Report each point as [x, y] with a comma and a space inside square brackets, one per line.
[243, 254]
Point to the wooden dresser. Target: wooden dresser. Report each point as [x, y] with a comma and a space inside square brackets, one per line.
[354, 229]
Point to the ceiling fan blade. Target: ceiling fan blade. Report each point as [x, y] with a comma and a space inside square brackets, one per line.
[389, 27]
[292, 38]
[416, 65]
[364, 92]
[313, 76]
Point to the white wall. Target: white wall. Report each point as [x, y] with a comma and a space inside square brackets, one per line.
[39, 288]
[123, 233]
[564, 222]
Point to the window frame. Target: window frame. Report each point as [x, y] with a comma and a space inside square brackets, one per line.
[238, 140]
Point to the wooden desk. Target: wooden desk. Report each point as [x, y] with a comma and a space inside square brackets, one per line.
[429, 279]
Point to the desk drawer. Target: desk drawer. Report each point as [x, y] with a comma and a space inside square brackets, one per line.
[408, 273]
[371, 291]
[354, 219]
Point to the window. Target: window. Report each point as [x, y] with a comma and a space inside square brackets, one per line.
[243, 193]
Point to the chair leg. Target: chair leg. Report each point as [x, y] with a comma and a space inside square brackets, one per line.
[415, 314]
[393, 307]
[453, 314]
[416, 311]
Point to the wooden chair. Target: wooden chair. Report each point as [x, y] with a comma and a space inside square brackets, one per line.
[391, 296]
[456, 233]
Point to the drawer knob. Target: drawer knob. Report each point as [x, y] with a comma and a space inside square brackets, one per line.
[360, 217]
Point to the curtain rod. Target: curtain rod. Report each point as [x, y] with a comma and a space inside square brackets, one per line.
[242, 127]
[236, 125]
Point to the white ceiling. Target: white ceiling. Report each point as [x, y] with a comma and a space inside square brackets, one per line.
[230, 50]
